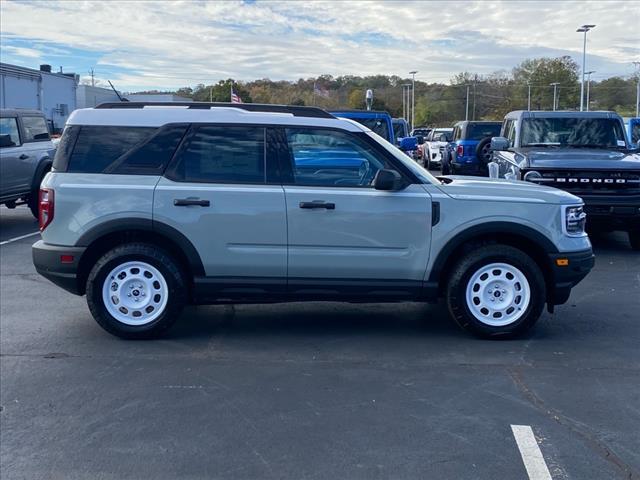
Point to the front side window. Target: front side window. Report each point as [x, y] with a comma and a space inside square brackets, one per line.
[572, 132]
[9, 136]
[35, 129]
[510, 132]
[376, 125]
[332, 158]
[220, 154]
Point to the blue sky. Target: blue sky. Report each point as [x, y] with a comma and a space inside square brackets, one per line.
[169, 44]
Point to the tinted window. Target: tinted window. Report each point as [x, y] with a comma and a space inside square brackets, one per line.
[479, 131]
[398, 130]
[217, 154]
[331, 158]
[96, 148]
[9, 136]
[635, 133]
[572, 132]
[35, 129]
[376, 125]
[65, 148]
[152, 156]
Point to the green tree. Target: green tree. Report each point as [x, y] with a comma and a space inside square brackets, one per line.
[540, 73]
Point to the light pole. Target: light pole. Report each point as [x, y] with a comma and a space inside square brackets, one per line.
[588, 74]
[405, 100]
[466, 110]
[413, 97]
[637, 64]
[555, 89]
[529, 96]
[583, 29]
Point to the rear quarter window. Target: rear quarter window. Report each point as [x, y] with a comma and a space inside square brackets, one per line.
[35, 129]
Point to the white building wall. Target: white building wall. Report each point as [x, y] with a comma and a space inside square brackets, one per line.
[156, 97]
[88, 96]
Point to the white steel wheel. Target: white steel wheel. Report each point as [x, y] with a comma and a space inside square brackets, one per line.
[498, 294]
[135, 293]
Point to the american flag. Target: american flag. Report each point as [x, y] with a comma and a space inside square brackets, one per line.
[235, 98]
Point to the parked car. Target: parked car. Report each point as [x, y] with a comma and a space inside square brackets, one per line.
[401, 131]
[469, 152]
[380, 123]
[149, 209]
[633, 130]
[421, 132]
[434, 146]
[585, 153]
[26, 155]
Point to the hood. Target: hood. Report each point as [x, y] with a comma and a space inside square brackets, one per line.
[500, 190]
[580, 158]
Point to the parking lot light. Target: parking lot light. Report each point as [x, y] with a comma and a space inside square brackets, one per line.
[583, 29]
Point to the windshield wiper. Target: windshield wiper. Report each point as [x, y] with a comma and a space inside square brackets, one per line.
[542, 145]
[591, 145]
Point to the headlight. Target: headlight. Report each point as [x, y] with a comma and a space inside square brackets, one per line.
[532, 176]
[574, 221]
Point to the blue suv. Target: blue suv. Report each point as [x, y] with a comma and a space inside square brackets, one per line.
[470, 149]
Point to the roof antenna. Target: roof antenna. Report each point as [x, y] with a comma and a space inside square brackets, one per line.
[121, 99]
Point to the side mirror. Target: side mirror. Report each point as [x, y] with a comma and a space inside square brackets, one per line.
[442, 138]
[499, 144]
[387, 180]
[408, 143]
[420, 139]
[5, 141]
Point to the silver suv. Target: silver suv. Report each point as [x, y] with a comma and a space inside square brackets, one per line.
[150, 207]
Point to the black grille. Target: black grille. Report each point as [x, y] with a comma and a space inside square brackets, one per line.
[592, 181]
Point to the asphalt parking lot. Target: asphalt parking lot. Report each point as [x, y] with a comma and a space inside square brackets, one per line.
[321, 391]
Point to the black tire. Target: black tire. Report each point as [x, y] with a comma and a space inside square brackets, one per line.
[634, 239]
[33, 199]
[483, 154]
[469, 264]
[160, 260]
[446, 166]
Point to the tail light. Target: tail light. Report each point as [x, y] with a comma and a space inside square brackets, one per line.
[45, 207]
[460, 151]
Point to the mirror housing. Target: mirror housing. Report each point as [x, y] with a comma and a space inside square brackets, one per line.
[408, 143]
[499, 144]
[387, 180]
[420, 139]
[5, 141]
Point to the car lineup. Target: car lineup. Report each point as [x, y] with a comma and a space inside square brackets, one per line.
[329, 196]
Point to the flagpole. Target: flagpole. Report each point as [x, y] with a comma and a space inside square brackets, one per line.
[231, 93]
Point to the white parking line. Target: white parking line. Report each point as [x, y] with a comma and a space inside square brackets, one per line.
[19, 238]
[531, 454]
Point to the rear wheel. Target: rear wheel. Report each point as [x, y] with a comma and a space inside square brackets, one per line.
[484, 154]
[136, 291]
[33, 199]
[496, 291]
[446, 159]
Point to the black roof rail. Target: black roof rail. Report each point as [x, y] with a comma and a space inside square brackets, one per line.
[295, 110]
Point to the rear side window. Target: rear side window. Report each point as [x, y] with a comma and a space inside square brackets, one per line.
[480, 131]
[35, 129]
[96, 148]
[9, 136]
[221, 154]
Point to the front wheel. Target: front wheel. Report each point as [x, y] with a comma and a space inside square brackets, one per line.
[496, 291]
[136, 291]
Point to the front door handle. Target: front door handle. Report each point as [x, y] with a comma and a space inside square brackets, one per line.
[24, 156]
[318, 204]
[185, 202]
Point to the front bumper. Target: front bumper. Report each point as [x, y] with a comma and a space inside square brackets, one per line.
[58, 264]
[567, 270]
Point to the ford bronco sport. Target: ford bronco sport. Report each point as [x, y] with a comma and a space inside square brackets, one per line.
[585, 153]
[151, 207]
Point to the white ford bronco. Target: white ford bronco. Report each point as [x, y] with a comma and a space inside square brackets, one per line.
[153, 206]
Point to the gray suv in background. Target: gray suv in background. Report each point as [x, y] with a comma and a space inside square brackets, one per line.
[26, 155]
[150, 207]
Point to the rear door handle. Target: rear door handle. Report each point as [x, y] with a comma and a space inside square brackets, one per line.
[185, 202]
[318, 204]
[24, 156]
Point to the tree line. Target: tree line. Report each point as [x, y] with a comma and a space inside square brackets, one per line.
[490, 97]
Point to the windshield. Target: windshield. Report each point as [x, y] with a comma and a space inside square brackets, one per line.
[448, 133]
[572, 132]
[377, 125]
[479, 131]
[398, 130]
[410, 164]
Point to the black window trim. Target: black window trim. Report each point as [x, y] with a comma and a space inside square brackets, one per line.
[19, 134]
[35, 140]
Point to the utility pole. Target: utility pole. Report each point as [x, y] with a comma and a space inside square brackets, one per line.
[93, 83]
[637, 65]
[588, 74]
[466, 111]
[413, 98]
[555, 89]
[583, 29]
[473, 114]
[529, 97]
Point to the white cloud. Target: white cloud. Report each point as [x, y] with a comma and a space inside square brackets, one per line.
[175, 43]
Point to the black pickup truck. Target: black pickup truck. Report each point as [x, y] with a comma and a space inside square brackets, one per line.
[585, 153]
